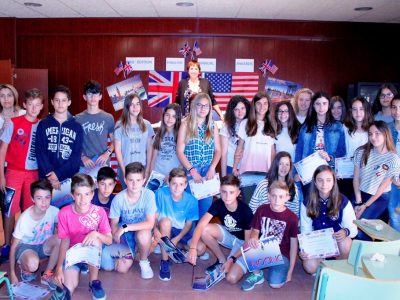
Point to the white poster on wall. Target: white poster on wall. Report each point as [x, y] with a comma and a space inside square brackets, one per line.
[175, 64]
[244, 65]
[208, 64]
[141, 63]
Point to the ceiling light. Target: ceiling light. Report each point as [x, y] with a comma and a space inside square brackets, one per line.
[32, 4]
[363, 8]
[184, 4]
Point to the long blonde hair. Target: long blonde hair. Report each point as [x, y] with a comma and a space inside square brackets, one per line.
[295, 100]
[192, 126]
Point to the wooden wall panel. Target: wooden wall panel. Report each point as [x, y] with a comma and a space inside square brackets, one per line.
[319, 55]
[7, 38]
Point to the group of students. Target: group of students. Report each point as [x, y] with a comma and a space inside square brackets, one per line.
[36, 157]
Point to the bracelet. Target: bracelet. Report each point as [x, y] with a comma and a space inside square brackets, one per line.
[109, 151]
[193, 248]
[191, 169]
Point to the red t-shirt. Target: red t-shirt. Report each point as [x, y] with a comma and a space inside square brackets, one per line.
[20, 137]
[282, 225]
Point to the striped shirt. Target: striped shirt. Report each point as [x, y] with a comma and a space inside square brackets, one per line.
[197, 151]
[260, 196]
[379, 167]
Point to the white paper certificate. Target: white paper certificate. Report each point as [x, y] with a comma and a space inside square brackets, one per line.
[205, 189]
[319, 243]
[83, 254]
[344, 167]
[308, 165]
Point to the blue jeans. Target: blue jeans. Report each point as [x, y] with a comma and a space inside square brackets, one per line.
[204, 204]
[394, 203]
[374, 211]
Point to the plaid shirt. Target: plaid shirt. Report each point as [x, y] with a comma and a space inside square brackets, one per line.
[197, 151]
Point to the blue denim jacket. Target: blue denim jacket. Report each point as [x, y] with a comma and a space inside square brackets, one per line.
[334, 141]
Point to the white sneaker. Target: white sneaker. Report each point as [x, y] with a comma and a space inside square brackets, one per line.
[205, 256]
[145, 269]
[157, 249]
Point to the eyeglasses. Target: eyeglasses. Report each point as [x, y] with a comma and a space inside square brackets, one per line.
[388, 95]
[200, 106]
[281, 112]
[89, 95]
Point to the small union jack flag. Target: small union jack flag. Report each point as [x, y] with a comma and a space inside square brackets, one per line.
[119, 68]
[127, 69]
[185, 50]
[268, 65]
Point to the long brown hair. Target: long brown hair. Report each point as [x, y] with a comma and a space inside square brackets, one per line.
[273, 174]
[334, 200]
[125, 118]
[368, 118]
[163, 128]
[251, 126]
[384, 129]
[293, 124]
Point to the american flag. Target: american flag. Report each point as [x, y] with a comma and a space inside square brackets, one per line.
[226, 85]
[271, 67]
[163, 86]
[127, 69]
[185, 50]
[119, 68]
[196, 50]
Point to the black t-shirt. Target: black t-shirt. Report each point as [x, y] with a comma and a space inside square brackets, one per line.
[235, 222]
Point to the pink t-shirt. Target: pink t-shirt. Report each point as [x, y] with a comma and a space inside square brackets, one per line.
[75, 227]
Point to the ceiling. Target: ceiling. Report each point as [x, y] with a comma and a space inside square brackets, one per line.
[384, 11]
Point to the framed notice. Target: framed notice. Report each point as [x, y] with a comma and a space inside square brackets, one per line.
[319, 243]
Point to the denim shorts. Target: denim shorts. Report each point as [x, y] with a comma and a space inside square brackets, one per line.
[185, 239]
[231, 242]
[276, 274]
[115, 251]
[21, 248]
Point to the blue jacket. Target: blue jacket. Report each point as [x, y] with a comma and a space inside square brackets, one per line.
[59, 147]
[334, 141]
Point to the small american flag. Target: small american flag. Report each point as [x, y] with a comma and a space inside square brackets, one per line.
[271, 67]
[226, 85]
[185, 50]
[196, 50]
[127, 69]
[119, 68]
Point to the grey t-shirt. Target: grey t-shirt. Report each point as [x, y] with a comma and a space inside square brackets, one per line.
[133, 142]
[166, 158]
[132, 214]
[96, 128]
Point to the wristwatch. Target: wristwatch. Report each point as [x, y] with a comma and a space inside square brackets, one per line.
[124, 227]
[233, 258]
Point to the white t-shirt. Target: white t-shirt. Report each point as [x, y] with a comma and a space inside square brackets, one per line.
[232, 143]
[34, 232]
[257, 154]
[354, 141]
[284, 143]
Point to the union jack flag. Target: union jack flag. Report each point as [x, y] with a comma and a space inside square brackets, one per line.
[127, 69]
[226, 85]
[163, 86]
[119, 68]
[185, 50]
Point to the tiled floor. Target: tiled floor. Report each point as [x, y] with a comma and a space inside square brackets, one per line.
[131, 286]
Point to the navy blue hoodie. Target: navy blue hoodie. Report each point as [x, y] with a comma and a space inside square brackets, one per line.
[59, 147]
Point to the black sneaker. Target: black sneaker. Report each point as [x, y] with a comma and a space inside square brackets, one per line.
[215, 265]
[61, 293]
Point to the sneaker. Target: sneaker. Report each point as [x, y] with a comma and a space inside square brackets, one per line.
[165, 273]
[84, 268]
[5, 252]
[145, 269]
[97, 291]
[61, 293]
[157, 249]
[48, 279]
[214, 266]
[250, 282]
[27, 276]
[205, 256]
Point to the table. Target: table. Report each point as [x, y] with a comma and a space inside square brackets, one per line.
[386, 270]
[386, 234]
